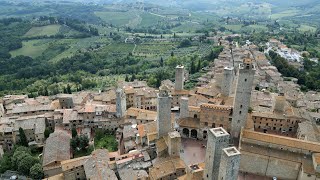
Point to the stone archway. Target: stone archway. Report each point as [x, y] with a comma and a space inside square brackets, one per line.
[194, 133]
[186, 132]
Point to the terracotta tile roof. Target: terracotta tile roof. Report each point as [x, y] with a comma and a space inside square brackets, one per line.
[281, 140]
[189, 122]
[97, 167]
[166, 167]
[145, 129]
[57, 148]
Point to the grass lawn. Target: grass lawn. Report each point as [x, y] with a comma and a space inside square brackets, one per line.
[107, 142]
[32, 48]
[43, 30]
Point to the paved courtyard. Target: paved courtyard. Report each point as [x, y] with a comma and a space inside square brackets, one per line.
[193, 151]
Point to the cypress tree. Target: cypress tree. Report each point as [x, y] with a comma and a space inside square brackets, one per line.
[23, 138]
[199, 66]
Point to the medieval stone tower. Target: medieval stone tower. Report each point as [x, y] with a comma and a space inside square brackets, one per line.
[184, 107]
[179, 80]
[227, 81]
[121, 103]
[242, 98]
[164, 112]
[218, 139]
[174, 143]
[230, 164]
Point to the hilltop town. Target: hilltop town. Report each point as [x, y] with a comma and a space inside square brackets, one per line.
[243, 120]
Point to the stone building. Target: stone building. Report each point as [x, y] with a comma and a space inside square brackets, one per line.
[65, 101]
[179, 79]
[218, 139]
[227, 82]
[184, 107]
[170, 168]
[277, 156]
[33, 126]
[121, 103]
[142, 98]
[56, 150]
[73, 168]
[174, 141]
[230, 164]
[164, 124]
[243, 96]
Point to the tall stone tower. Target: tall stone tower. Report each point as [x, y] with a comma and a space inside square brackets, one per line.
[230, 164]
[121, 103]
[227, 81]
[242, 98]
[218, 139]
[179, 80]
[174, 143]
[164, 112]
[184, 107]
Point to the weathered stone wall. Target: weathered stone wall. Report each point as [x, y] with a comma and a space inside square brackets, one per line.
[242, 98]
[227, 81]
[218, 139]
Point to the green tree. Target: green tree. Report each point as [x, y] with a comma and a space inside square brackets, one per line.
[133, 77]
[192, 68]
[36, 171]
[185, 43]
[47, 132]
[25, 164]
[74, 132]
[199, 65]
[5, 163]
[83, 142]
[161, 62]
[69, 89]
[23, 138]
[17, 157]
[127, 78]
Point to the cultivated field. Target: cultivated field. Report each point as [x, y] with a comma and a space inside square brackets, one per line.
[43, 31]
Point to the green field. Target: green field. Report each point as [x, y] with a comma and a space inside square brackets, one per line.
[117, 18]
[43, 31]
[233, 27]
[149, 19]
[32, 48]
[283, 14]
[307, 28]
[258, 27]
[188, 27]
